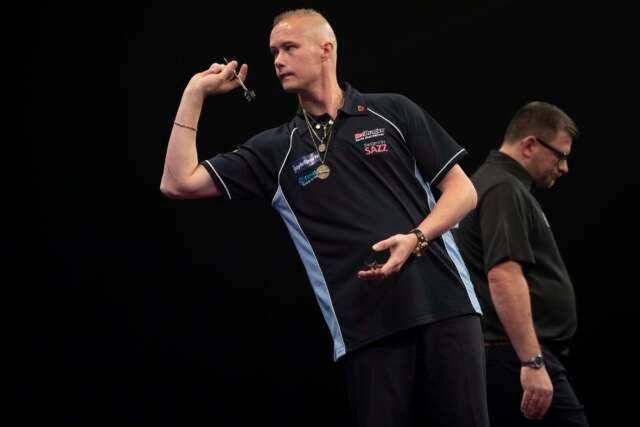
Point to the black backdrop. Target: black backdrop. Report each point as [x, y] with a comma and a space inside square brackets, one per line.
[135, 309]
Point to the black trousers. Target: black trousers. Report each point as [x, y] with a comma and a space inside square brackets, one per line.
[431, 375]
[505, 392]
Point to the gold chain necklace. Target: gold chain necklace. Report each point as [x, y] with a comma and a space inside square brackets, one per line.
[317, 127]
[323, 170]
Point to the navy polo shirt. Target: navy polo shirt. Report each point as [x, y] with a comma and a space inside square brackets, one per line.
[385, 156]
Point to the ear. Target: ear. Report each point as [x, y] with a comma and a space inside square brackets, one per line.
[527, 146]
[327, 50]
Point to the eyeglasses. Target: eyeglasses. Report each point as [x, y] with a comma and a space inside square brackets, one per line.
[560, 155]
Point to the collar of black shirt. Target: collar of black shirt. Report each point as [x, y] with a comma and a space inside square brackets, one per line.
[511, 166]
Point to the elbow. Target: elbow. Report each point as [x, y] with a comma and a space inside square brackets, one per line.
[170, 191]
[178, 191]
[470, 194]
[473, 196]
[461, 188]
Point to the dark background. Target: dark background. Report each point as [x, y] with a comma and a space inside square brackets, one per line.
[132, 309]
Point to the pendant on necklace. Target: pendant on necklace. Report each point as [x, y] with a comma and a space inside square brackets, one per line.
[323, 171]
[322, 148]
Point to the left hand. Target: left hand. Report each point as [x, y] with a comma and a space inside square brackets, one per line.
[537, 392]
[400, 248]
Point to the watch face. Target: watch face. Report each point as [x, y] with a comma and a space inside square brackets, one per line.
[535, 362]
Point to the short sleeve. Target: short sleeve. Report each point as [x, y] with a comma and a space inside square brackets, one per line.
[504, 225]
[248, 172]
[434, 149]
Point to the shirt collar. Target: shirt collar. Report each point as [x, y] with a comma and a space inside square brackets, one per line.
[510, 165]
[353, 105]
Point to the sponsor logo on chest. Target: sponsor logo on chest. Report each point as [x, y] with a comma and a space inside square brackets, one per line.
[305, 162]
[375, 147]
[371, 141]
[368, 134]
[307, 177]
[304, 168]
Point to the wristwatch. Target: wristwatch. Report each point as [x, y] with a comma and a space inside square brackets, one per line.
[536, 362]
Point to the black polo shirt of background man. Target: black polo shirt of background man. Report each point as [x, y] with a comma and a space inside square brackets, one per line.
[508, 224]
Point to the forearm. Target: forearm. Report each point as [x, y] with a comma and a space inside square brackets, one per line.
[182, 156]
[510, 296]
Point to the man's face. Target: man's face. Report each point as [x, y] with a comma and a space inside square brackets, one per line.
[297, 55]
[548, 164]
